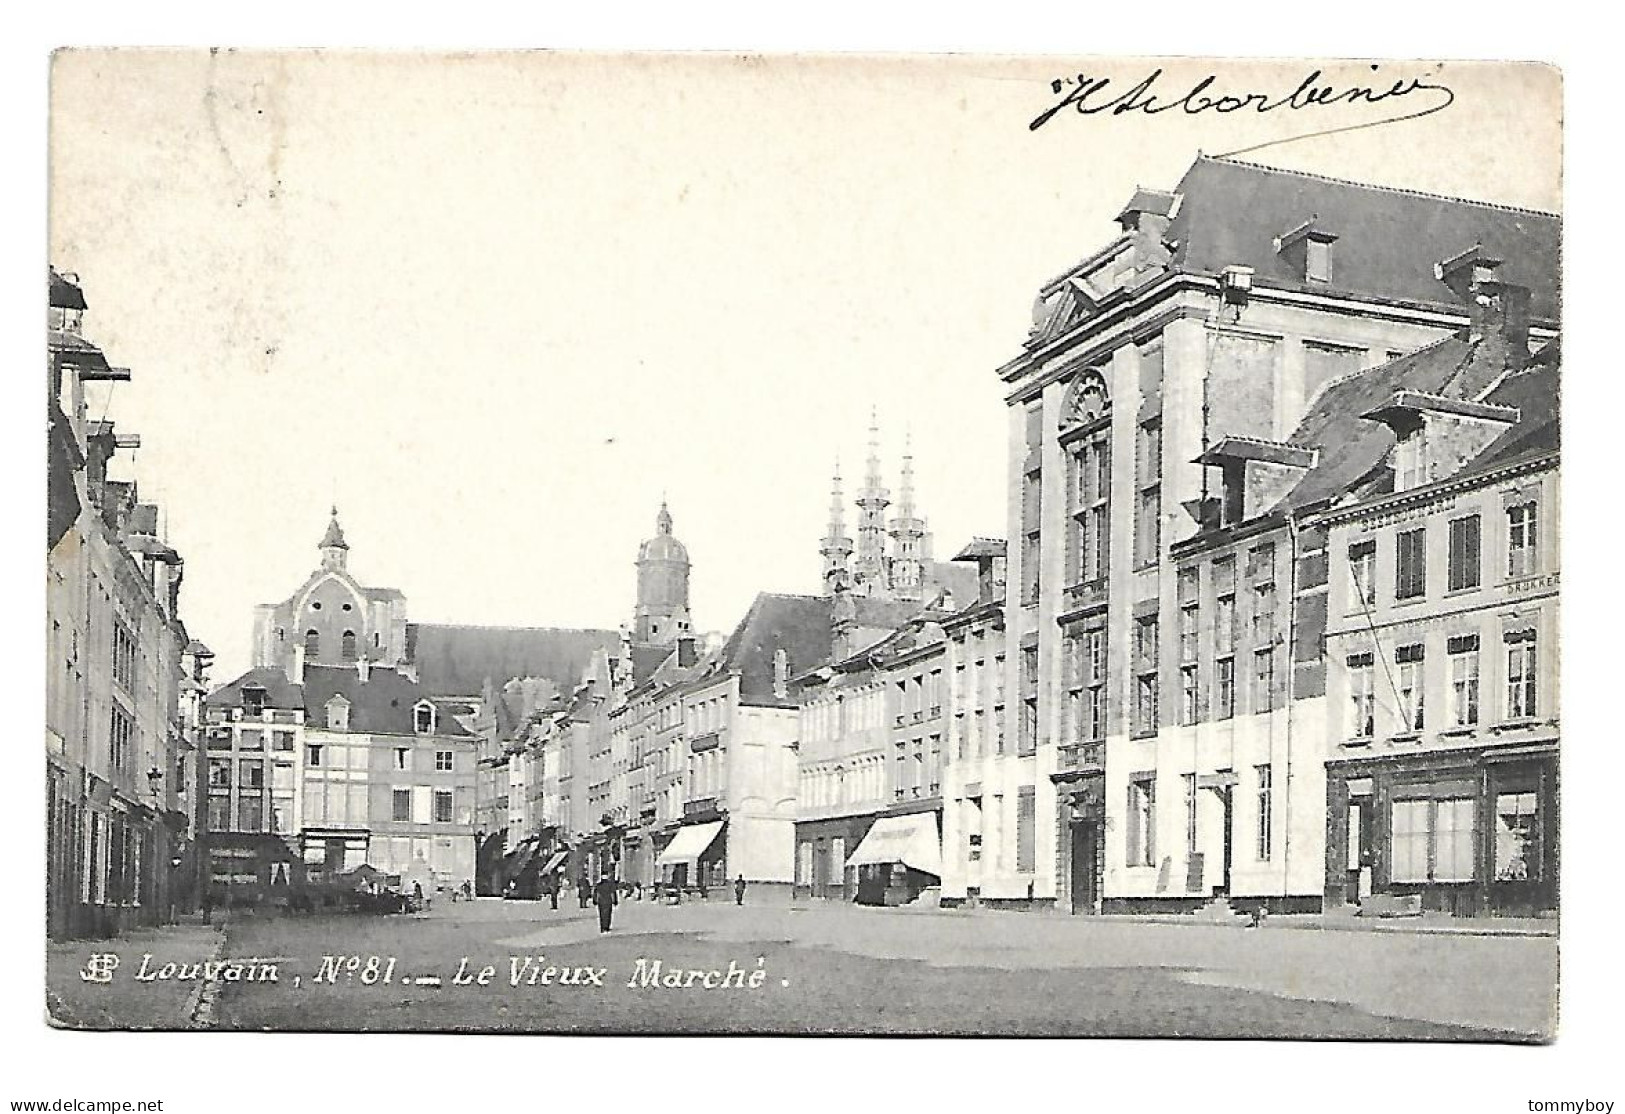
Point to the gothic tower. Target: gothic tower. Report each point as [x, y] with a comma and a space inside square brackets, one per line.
[908, 538]
[837, 547]
[870, 575]
[662, 609]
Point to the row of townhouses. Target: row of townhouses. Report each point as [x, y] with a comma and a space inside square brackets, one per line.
[123, 681]
[1274, 624]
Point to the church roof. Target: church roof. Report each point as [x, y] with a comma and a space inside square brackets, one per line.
[1387, 240]
[456, 660]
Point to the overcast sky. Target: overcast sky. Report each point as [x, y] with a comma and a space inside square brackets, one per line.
[494, 306]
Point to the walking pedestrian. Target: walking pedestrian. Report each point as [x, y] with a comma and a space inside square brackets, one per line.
[583, 891]
[739, 890]
[604, 895]
[553, 890]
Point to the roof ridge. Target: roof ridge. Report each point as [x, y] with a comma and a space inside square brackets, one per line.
[496, 626]
[1500, 205]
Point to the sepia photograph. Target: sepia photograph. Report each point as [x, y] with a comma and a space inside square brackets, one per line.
[803, 544]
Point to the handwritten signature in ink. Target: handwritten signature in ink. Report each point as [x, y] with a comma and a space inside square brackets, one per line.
[1089, 96]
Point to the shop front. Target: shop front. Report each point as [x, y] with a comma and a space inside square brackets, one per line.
[822, 847]
[1469, 833]
[695, 858]
[900, 858]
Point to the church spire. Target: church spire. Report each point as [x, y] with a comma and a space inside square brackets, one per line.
[836, 547]
[870, 574]
[908, 536]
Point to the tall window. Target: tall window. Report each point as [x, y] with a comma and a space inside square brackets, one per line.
[1362, 697]
[401, 804]
[1464, 549]
[1410, 565]
[123, 656]
[1263, 680]
[1412, 686]
[1032, 505]
[1266, 813]
[219, 773]
[1517, 835]
[1433, 840]
[313, 644]
[121, 733]
[1145, 680]
[253, 701]
[442, 760]
[1142, 821]
[1521, 539]
[1363, 573]
[251, 774]
[1189, 615]
[1520, 674]
[347, 645]
[1148, 509]
[1091, 506]
[1463, 651]
[1224, 688]
[1027, 736]
[1189, 696]
[1026, 829]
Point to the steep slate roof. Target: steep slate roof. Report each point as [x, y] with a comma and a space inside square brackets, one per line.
[279, 691]
[383, 703]
[1351, 447]
[64, 294]
[1388, 240]
[1537, 392]
[800, 625]
[961, 580]
[456, 660]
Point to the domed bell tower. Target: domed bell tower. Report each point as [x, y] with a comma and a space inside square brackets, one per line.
[661, 615]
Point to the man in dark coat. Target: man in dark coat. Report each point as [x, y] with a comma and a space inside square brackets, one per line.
[739, 890]
[553, 890]
[583, 890]
[603, 894]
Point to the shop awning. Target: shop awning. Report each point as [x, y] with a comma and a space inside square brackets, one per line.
[910, 840]
[554, 861]
[690, 843]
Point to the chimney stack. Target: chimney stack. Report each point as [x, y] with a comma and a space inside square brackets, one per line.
[363, 668]
[781, 674]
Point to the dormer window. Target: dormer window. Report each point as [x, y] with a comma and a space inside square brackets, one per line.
[253, 701]
[423, 715]
[1307, 249]
[338, 714]
[1255, 474]
[1434, 435]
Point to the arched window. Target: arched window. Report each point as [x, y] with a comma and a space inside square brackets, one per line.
[1088, 401]
[313, 644]
[347, 646]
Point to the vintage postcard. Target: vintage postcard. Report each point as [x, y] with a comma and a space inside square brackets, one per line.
[716, 544]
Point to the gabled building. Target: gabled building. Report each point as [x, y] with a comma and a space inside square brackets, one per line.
[1221, 312]
[121, 672]
[1441, 642]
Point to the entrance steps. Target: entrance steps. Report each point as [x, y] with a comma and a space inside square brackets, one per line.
[1218, 910]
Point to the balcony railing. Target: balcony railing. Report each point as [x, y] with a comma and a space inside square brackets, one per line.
[1083, 756]
[701, 805]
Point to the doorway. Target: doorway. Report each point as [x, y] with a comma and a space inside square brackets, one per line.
[1085, 883]
[1227, 801]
